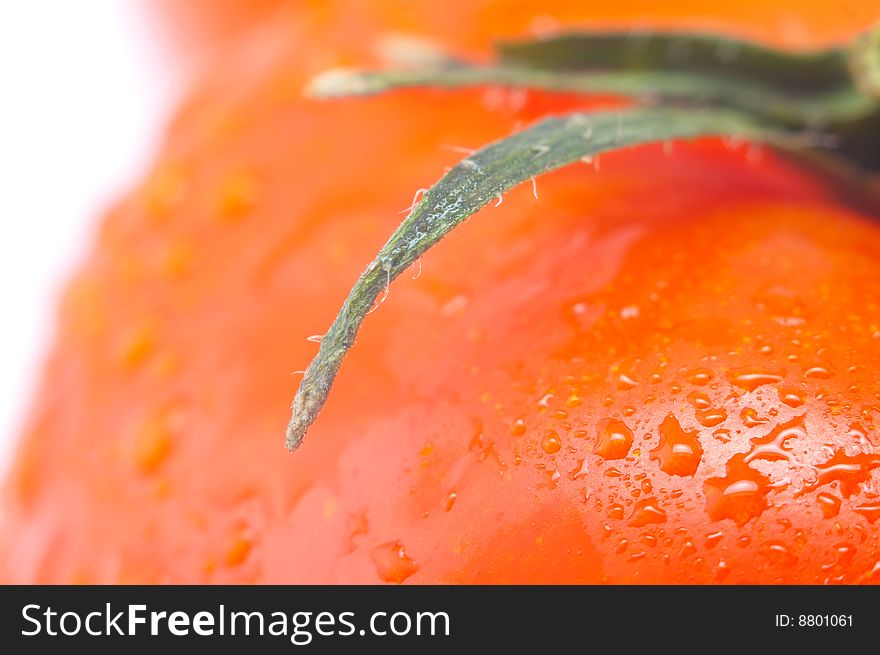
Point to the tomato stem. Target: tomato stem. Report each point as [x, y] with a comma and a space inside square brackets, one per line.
[804, 104]
[480, 179]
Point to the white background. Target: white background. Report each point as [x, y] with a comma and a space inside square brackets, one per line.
[84, 92]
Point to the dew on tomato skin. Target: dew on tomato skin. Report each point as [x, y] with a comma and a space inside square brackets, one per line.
[315, 338]
[392, 563]
[581, 470]
[687, 548]
[739, 496]
[709, 418]
[699, 400]
[615, 511]
[699, 376]
[622, 545]
[518, 427]
[818, 373]
[449, 501]
[613, 440]
[647, 511]
[848, 470]
[551, 443]
[647, 486]
[791, 397]
[648, 540]
[713, 539]
[625, 382]
[750, 418]
[574, 400]
[870, 511]
[750, 377]
[775, 446]
[828, 504]
[679, 452]
[844, 554]
[859, 435]
[722, 570]
[778, 553]
[871, 576]
[545, 402]
[722, 435]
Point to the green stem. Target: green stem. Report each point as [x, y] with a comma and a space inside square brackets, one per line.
[702, 86]
[842, 104]
[695, 53]
[864, 62]
[482, 178]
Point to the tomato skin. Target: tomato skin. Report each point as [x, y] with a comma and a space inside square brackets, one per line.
[474, 434]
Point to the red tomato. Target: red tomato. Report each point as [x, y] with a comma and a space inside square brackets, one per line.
[663, 370]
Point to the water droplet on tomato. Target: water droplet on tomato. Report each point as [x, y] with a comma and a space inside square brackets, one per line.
[647, 511]
[449, 501]
[699, 400]
[776, 445]
[848, 470]
[687, 548]
[713, 538]
[750, 378]
[778, 553]
[739, 496]
[613, 440]
[819, 372]
[518, 427]
[649, 540]
[844, 554]
[392, 563]
[791, 397]
[829, 504]
[580, 470]
[722, 435]
[551, 442]
[750, 418]
[625, 382]
[711, 417]
[574, 400]
[678, 452]
[699, 376]
[870, 511]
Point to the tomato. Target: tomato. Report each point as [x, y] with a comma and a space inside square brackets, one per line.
[660, 370]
